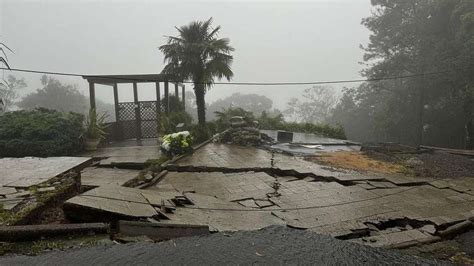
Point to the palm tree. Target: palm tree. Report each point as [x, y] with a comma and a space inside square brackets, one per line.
[197, 54]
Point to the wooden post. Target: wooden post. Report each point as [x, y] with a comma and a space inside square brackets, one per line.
[158, 97]
[92, 94]
[138, 118]
[167, 99]
[176, 91]
[118, 125]
[183, 97]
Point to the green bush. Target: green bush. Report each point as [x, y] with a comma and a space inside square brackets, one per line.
[40, 133]
[224, 116]
[324, 130]
[168, 122]
[201, 133]
[278, 123]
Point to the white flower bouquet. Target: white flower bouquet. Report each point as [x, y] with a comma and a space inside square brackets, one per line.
[177, 143]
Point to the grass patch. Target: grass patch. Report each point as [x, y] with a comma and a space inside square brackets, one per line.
[359, 161]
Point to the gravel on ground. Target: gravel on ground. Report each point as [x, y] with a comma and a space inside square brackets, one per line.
[275, 245]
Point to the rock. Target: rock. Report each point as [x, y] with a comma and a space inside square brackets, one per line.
[46, 189]
[148, 176]
[429, 228]
[414, 162]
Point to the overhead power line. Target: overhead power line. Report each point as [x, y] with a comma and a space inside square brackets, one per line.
[244, 83]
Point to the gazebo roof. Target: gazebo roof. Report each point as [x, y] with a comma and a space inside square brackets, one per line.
[137, 78]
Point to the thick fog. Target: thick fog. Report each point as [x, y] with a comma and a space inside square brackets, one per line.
[274, 41]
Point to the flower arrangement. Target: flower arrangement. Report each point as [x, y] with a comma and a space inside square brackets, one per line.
[177, 143]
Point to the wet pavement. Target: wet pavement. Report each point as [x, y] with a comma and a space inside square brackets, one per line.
[131, 151]
[273, 246]
[24, 180]
[234, 188]
[221, 178]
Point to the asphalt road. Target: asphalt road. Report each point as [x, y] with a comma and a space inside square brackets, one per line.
[274, 245]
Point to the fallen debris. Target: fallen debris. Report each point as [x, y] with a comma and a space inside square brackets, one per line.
[246, 136]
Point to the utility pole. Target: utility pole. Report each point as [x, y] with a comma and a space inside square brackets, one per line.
[421, 109]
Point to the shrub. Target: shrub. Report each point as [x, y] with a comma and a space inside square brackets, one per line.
[40, 133]
[168, 122]
[277, 123]
[324, 130]
[201, 133]
[223, 117]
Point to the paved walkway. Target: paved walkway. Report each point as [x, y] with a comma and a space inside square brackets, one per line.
[21, 177]
[100, 176]
[385, 209]
[272, 246]
[127, 152]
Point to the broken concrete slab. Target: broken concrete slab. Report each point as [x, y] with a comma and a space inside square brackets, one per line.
[131, 154]
[221, 215]
[99, 176]
[112, 202]
[27, 206]
[30, 171]
[396, 238]
[7, 190]
[116, 200]
[230, 186]
[9, 203]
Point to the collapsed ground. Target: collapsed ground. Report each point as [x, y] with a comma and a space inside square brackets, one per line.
[228, 187]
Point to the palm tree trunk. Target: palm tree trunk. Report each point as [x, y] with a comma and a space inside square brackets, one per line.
[201, 104]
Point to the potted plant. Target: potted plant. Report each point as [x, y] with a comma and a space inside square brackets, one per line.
[94, 129]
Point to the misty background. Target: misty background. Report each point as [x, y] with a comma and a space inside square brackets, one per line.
[274, 41]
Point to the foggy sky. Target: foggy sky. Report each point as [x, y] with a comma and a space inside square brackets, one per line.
[273, 41]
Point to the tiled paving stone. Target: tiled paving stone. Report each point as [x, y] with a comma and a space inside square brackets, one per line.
[250, 203]
[30, 171]
[134, 154]
[328, 207]
[7, 190]
[10, 203]
[123, 201]
[230, 187]
[394, 238]
[234, 156]
[118, 200]
[98, 176]
[229, 156]
[222, 220]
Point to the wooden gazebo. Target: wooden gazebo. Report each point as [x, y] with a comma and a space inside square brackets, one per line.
[137, 119]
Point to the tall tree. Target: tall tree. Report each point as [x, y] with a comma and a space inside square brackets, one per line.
[197, 54]
[417, 38]
[63, 97]
[315, 107]
[9, 91]
[249, 102]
